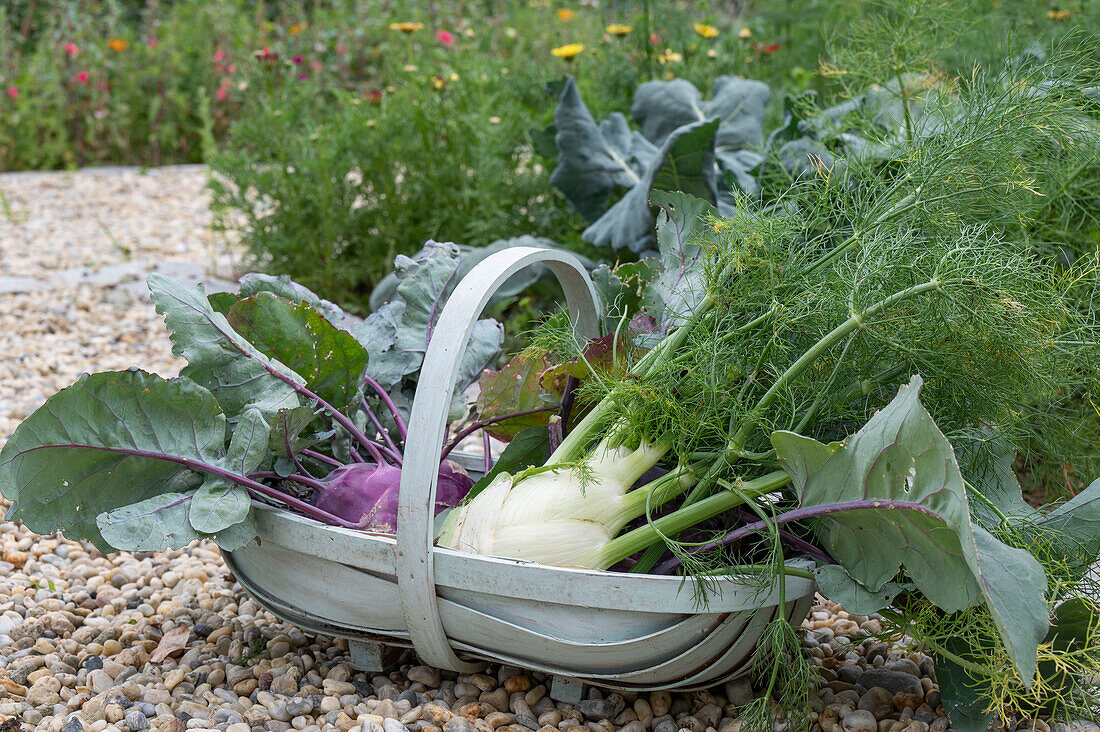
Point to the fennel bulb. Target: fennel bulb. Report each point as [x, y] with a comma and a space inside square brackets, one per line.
[558, 516]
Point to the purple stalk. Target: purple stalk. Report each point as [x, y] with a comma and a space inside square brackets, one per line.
[305, 480]
[381, 430]
[798, 514]
[485, 423]
[293, 457]
[252, 485]
[356, 433]
[567, 400]
[394, 412]
[321, 457]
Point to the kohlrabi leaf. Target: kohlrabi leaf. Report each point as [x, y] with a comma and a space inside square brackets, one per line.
[964, 699]
[237, 535]
[839, 586]
[675, 293]
[515, 388]
[396, 335]
[1078, 519]
[109, 440]
[219, 503]
[472, 256]
[530, 447]
[287, 426]
[254, 283]
[593, 160]
[893, 497]
[330, 360]
[219, 358]
[152, 525]
[685, 162]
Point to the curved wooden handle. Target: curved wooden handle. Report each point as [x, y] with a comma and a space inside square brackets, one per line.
[428, 424]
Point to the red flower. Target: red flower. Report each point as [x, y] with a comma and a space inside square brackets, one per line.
[654, 39]
[222, 94]
[81, 77]
[444, 37]
[765, 50]
[374, 97]
[219, 55]
[13, 92]
[154, 42]
[298, 60]
[266, 54]
[71, 49]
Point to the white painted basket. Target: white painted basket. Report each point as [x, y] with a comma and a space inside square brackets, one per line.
[617, 630]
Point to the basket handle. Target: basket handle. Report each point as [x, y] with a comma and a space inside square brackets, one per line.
[428, 424]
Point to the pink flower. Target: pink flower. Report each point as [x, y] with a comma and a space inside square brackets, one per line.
[81, 77]
[303, 77]
[13, 92]
[221, 94]
[219, 55]
[71, 49]
[298, 60]
[316, 65]
[342, 49]
[444, 37]
[154, 42]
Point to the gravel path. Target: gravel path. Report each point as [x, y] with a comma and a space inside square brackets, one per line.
[78, 629]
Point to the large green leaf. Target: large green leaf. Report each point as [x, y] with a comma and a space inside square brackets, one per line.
[220, 503]
[108, 441]
[839, 586]
[515, 388]
[152, 525]
[1078, 520]
[893, 497]
[964, 699]
[329, 359]
[396, 335]
[593, 160]
[470, 257]
[675, 293]
[218, 358]
[660, 107]
[685, 162]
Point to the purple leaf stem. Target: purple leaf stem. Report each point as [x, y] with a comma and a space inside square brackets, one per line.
[306, 480]
[252, 485]
[555, 436]
[394, 412]
[293, 457]
[356, 433]
[321, 457]
[567, 400]
[798, 514]
[381, 430]
[485, 423]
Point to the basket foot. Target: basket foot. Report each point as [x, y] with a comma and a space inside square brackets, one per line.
[371, 656]
[566, 689]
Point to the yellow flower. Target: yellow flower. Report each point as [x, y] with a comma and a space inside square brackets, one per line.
[567, 51]
[410, 68]
[117, 44]
[706, 31]
[494, 120]
[618, 29]
[565, 14]
[406, 26]
[744, 33]
[297, 28]
[1059, 15]
[669, 57]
